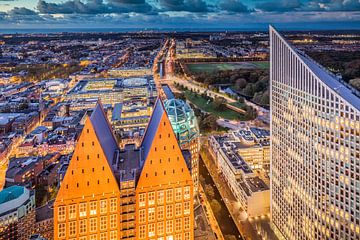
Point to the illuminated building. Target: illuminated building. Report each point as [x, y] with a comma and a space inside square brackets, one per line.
[17, 213]
[129, 193]
[184, 124]
[315, 149]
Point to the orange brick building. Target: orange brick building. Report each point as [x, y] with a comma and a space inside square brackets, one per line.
[129, 193]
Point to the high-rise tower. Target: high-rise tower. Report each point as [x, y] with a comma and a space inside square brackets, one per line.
[315, 148]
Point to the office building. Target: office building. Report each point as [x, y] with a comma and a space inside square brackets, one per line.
[17, 213]
[315, 148]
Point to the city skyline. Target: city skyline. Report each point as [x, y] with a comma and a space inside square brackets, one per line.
[227, 14]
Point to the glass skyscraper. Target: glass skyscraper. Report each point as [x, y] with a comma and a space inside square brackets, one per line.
[315, 148]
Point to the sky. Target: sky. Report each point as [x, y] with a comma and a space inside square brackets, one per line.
[226, 14]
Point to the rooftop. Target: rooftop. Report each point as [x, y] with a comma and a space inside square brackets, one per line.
[11, 193]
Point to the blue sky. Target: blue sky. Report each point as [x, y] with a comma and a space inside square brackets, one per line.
[306, 14]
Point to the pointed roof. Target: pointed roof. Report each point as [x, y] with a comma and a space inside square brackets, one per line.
[164, 162]
[329, 79]
[89, 172]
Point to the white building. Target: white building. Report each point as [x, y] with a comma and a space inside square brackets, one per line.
[315, 149]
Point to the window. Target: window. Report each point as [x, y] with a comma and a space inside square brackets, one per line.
[178, 236]
[113, 221]
[82, 226]
[151, 198]
[178, 209]
[103, 223]
[186, 223]
[186, 208]
[103, 206]
[142, 231]
[62, 230]
[178, 225]
[61, 213]
[142, 215]
[93, 206]
[187, 192]
[103, 236]
[160, 228]
[187, 236]
[169, 211]
[93, 224]
[93, 237]
[178, 194]
[72, 211]
[151, 216]
[169, 226]
[72, 228]
[113, 235]
[113, 206]
[142, 199]
[82, 209]
[169, 195]
[151, 229]
[160, 197]
[160, 212]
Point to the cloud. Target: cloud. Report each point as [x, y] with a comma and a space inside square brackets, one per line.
[279, 6]
[184, 5]
[233, 6]
[333, 5]
[21, 11]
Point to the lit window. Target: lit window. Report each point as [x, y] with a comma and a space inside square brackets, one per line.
[61, 213]
[142, 199]
[93, 224]
[113, 235]
[82, 209]
[169, 226]
[170, 237]
[160, 228]
[103, 223]
[187, 192]
[62, 230]
[178, 194]
[178, 225]
[72, 228]
[93, 237]
[187, 236]
[186, 223]
[186, 208]
[169, 211]
[178, 236]
[103, 206]
[151, 216]
[151, 198]
[82, 226]
[151, 229]
[82, 238]
[93, 206]
[113, 206]
[113, 221]
[178, 209]
[160, 212]
[142, 231]
[103, 236]
[142, 215]
[72, 211]
[160, 197]
[169, 195]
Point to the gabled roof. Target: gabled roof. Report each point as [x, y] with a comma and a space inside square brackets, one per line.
[164, 162]
[89, 172]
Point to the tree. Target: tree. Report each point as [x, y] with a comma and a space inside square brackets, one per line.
[219, 103]
[209, 190]
[215, 206]
[230, 237]
[240, 83]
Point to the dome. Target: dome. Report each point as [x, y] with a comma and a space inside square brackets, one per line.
[183, 120]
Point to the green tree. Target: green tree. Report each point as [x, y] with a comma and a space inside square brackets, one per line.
[215, 206]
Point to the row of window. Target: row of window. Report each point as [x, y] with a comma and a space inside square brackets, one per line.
[169, 227]
[161, 195]
[87, 209]
[84, 226]
[180, 209]
[102, 236]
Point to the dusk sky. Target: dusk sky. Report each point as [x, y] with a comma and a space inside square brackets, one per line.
[297, 14]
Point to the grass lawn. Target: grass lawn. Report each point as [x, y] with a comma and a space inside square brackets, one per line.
[203, 104]
[215, 67]
[239, 105]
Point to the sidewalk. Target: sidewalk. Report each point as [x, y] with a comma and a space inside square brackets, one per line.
[244, 227]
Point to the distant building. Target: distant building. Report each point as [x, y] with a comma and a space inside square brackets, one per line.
[130, 72]
[17, 213]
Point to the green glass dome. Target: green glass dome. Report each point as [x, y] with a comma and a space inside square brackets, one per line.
[183, 120]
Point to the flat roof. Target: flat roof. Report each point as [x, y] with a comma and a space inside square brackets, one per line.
[11, 193]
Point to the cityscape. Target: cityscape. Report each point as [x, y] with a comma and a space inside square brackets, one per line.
[179, 132]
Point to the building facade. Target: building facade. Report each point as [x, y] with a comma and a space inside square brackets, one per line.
[17, 213]
[315, 149]
[109, 192]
